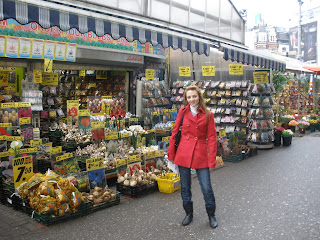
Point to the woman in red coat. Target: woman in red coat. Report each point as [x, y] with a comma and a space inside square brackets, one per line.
[197, 150]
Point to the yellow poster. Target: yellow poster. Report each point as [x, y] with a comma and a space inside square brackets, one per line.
[184, 72]
[22, 170]
[37, 76]
[235, 69]
[208, 71]
[51, 79]
[260, 77]
[150, 74]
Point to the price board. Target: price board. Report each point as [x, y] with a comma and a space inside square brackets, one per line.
[7, 154]
[165, 139]
[106, 97]
[111, 136]
[51, 79]
[235, 69]
[56, 150]
[159, 153]
[96, 125]
[28, 150]
[208, 71]
[23, 104]
[94, 163]
[149, 73]
[22, 170]
[121, 162]
[260, 77]
[35, 143]
[184, 71]
[125, 135]
[72, 103]
[24, 120]
[64, 156]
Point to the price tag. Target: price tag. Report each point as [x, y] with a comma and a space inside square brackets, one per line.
[184, 72]
[35, 143]
[260, 77]
[235, 69]
[208, 71]
[56, 150]
[8, 105]
[94, 163]
[106, 97]
[172, 124]
[101, 74]
[134, 158]
[6, 154]
[85, 112]
[133, 120]
[92, 85]
[125, 135]
[28, 150]
[22, 170]
[5, 124]
[64, 156]
[72, 103]
[149, 73]
[23, 104]
[13, 138]
[165, 139]
[151, 131]
[111, 136]
[121, 162]
[24, 120]
[82, 73]
[51, 79]
[150, 155]
[96, 125]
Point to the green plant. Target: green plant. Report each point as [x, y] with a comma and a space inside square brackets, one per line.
[279, 80]
[236, 138]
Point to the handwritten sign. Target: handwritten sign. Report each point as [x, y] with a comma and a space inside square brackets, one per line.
[24, 120]
[260, 77]
[35, 143]
[22, 170]
[184, 72]
[94, 163]
[235, 69]
[28, 150]
[85, 112]
[56, 150]
[149, 73]
[208, 71]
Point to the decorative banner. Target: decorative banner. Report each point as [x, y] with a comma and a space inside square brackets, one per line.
[94, 163]
[101, 74]
[72, 111]
[235, 69]
[12, 47]
[208, 71]
[71, 52]
[4, 76]
[47, 67]
[184, 72]
[2, 45]
[82, 73]
[25, 47]
[22, 170]
[49, 49]
[260, 77]
[60, 53]
[37, 48]
[36, 143]
[64, 156]
[37, 76]
[149, 73]
[51, 79]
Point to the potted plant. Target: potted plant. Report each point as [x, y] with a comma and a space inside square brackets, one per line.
[285, 120]
[277, 135]
[286, 137]
[292, 125]
[302, 126]
[313, 124]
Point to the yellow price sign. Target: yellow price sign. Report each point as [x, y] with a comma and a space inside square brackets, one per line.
[165, 139]
[121, 162]
[64, 156]
[134, 158]
[7, 154]
[222, 132]
[5, 124]
[235, 69]
[260, 77]
[106, 97]
[208, 71]
[85, 112]
[22, 170]
[72, 103]
[149, 73]
[8, 105]
[51, 79]
[172, 124]
[37, 76]
[101, 74]
[14, 138]
[184, 72]
[24, 120]
[28, 150]
[35, 143]
[94, 163]
[48, 65]
[82, 73]
[151, 131]
[111, 136]
[133, 120]
[56, 150]
[149, 155]
[96, 125]
[125, 135]
[23, 104]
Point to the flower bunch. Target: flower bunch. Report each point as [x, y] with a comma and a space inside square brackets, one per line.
[293, 123]
[287, 118]
[16, 145]
[303, 124]
[313, 122]
[278, 129]
[287, 133]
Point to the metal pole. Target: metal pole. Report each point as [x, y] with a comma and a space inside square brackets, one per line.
[299, 31]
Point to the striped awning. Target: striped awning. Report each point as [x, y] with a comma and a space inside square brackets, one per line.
[246, 57]
[67, 17]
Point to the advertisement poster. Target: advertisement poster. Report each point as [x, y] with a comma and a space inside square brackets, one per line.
[310, 42]
[12, 47]
[60, 51]
[2, 45]
[25, 48]
[71, 52]
[84, 119]
[37, 48]
[49, 49]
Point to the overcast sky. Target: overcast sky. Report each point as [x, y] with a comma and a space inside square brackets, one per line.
[274, 12]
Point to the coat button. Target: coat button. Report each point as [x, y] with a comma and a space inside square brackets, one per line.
[188, 125]
[196, 139]
[187, 136]
[196, 126]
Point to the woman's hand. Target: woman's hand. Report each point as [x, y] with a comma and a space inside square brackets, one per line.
[171, 160]
[211, 169]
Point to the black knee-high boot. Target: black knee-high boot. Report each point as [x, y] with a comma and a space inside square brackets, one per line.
[189, 214]
[212, 218]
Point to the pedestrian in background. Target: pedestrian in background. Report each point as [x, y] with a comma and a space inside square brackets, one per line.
[197, 150]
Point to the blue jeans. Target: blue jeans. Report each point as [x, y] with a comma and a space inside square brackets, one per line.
[205, 183]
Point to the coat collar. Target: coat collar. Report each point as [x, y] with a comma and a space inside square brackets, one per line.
[187, 113]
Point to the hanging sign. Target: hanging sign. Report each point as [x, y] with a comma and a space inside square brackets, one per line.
[235, 69]
[51, 79]
[37, 48]
[260, 77]
[82, 73]
[184, 72]
[71, 52]
[49, 49]
[22, 170]
[12, 47]
[48, 65]
[37, 76]
[150, 74]
[25, 47]
[94, 163]
[60, 53]
[208, 71]
[36, 143]
[2, 45]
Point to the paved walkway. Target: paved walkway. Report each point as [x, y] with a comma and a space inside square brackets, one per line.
[274, 195]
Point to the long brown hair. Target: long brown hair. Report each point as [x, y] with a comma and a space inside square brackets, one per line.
[202, 103]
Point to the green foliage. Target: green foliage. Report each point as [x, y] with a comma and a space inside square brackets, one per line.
[235, 138]
[279, 80]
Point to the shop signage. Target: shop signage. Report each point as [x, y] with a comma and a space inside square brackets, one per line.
[260, 77]
[82, 73]
[208, 71]
[50, 79]
[12, 47]
[134, 59]
[184, 72]
[37, 76]
[37, 48]
[111, 135]
[150, 74]
[24, 121]
[101, 74]
[4, 76]
[84, 112]
[25, 47]
[56, 150]
[2, 45]
[94, 163]
[48, 65]
[71, 52]
[36, 143]
[235, 69]
[60, 53]
[64, 156]
[22, 170]
[96, 125]
[49, 49]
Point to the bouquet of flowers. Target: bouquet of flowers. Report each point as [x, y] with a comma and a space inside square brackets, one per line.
[293, 123]
[287, 133]
[278, 129]
[303, 124]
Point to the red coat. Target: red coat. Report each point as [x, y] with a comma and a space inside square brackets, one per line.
[198, 144]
